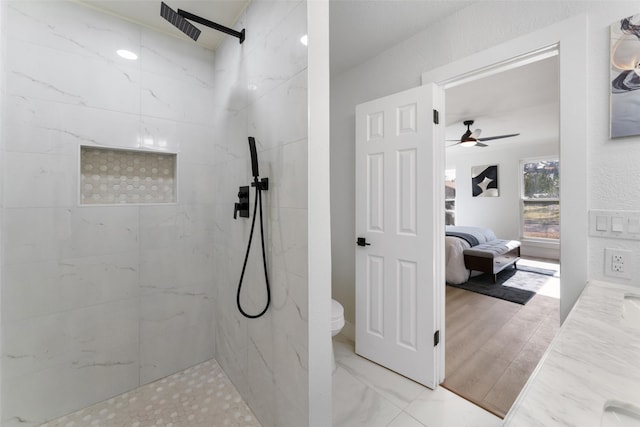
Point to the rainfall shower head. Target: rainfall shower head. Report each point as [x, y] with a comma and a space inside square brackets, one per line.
[179, 22]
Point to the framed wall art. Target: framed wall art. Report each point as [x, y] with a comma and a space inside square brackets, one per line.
[625, 77]
[484, 181]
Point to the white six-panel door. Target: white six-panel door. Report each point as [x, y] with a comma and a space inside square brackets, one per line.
[400, 213]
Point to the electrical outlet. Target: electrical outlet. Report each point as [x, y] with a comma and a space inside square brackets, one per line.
[618, 263]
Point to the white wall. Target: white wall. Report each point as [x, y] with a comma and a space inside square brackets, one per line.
[261, 91]
[98, 300]
[319, 300]
[3, 96]
[482, 25]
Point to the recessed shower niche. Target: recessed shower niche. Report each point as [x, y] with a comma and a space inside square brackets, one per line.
[122, 176]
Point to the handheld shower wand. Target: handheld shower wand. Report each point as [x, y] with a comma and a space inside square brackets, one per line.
[260, 185]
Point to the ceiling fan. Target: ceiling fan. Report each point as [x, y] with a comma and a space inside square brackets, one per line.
[470, 139]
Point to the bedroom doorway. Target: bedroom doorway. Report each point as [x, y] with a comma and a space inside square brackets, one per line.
[497, 332]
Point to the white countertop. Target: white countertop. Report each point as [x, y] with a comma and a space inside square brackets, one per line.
[594, 359]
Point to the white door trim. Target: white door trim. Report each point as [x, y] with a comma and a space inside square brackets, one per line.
[570, 36]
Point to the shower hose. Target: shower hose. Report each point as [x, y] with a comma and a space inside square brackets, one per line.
[258, 201]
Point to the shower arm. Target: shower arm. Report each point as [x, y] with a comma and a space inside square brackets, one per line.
[211, 24]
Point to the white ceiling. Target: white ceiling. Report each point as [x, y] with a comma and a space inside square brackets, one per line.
[522, 100]
[361, 29]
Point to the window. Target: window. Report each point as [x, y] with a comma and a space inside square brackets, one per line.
[541, 199]
[450, 196]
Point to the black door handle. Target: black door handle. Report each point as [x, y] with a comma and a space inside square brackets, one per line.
[362, 241]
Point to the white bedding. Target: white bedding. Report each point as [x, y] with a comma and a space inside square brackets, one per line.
[456, 272]
[454, 247]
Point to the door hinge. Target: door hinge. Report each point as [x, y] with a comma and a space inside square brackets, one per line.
[436, 117]
[436, 338]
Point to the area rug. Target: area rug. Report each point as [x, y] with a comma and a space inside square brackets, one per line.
[512, 285]
[539, 270]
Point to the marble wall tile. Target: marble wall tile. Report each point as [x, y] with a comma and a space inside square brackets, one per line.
[195, 183]
[280, 116]
[169, 351]
[288, 251]
[173, 98]
[192, 141]
[163, 227]
[164, 59]
[76, 338]
[280, 54]
[286, 168]
[231, 340]
[64, 26]
[35, 235]
[100, 295]
[55, 75]
[231, 141]
[185, 270]
[43, 288]
[260, 396]
[40, 180]
[289, 304]
[104, 230]
[40, 126]
[263, 18]
[47, 234]
[52, 392]
[261, 92]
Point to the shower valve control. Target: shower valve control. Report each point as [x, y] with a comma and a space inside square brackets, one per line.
[242, 205]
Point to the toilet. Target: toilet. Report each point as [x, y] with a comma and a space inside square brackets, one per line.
[337, 323]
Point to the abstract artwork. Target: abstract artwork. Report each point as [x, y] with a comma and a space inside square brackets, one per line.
[484, 181]
[625, 77]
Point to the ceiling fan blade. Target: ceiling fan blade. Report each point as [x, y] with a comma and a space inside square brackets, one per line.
[453, 145]
[480, 144]
[475, 134]
[489, 138]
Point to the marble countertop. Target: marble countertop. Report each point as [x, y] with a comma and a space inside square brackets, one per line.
[594, 359]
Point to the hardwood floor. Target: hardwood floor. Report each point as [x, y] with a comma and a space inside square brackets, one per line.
[493, 346]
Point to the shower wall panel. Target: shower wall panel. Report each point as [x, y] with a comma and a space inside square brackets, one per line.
[261, 91]
[97, 300]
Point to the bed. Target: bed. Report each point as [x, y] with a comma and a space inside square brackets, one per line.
[457, 239]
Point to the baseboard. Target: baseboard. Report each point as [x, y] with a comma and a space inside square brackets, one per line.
[349, 331]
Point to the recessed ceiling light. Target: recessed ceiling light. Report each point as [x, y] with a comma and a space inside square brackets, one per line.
[304, 40]
[127, 54]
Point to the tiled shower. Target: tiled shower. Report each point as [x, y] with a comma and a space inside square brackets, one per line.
[98, 299]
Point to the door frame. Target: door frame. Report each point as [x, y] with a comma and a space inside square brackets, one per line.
[569, 38]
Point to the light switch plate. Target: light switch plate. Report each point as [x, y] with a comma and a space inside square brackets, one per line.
[614, 224]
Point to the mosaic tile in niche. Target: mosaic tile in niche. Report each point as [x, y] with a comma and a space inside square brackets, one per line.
[116, 176]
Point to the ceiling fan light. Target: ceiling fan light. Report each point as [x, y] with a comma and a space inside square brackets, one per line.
[468, 143]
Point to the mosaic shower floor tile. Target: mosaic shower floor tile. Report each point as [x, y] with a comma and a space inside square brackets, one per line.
[201, 396]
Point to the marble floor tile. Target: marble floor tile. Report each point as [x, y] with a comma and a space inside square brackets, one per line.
[201, 396]
[367, 394]
[440, 407]
[395, 388]
[404, 420]
[356, 404]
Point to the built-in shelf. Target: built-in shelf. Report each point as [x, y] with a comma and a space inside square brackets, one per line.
[121, 176]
